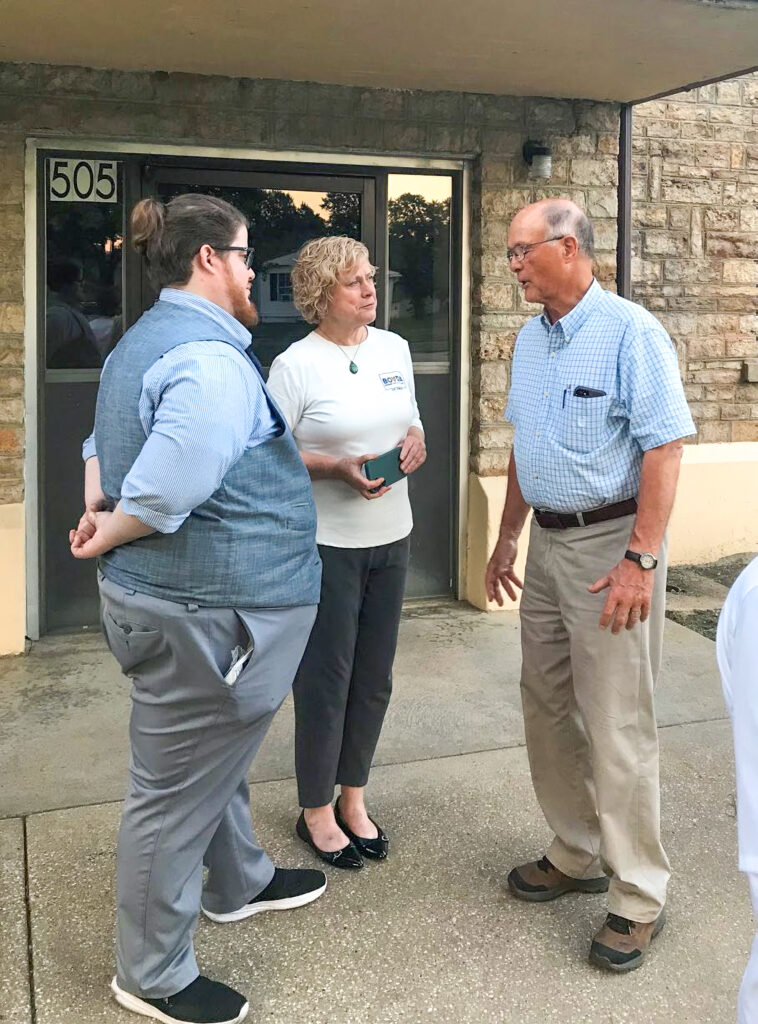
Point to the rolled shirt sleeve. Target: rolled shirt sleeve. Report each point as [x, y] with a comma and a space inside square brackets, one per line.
[89, 450]
[651, 389]
[192, 441]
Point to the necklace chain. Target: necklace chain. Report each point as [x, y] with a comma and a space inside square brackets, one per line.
[353, 365]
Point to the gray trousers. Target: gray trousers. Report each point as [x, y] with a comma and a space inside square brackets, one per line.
[344, 682]
[589, 715]
[192, 740]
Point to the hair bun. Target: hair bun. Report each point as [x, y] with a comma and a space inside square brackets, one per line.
[148, 219]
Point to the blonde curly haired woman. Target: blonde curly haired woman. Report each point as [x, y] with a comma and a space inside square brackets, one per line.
[348, 394]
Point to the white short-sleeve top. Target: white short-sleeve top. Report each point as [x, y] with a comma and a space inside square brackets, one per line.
[737, 654]
[334, 412]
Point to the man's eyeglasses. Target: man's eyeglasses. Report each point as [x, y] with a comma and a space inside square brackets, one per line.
[247, 249]
[518, 252]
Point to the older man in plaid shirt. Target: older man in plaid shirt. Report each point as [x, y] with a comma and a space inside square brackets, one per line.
[599, 410]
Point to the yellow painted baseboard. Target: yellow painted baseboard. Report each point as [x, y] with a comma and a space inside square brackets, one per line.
[716, 508]
[12, 589]
[485, 508]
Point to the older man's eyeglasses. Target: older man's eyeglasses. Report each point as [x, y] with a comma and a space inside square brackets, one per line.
[247, 249]
[518, 252]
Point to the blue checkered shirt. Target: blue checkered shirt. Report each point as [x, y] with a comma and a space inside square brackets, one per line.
[590, 394]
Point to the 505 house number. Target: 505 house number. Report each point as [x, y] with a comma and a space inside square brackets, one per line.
[82, 181]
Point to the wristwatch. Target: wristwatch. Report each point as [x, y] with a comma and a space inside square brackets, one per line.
[644, 559]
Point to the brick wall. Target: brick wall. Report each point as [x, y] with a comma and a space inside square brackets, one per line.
[695, 243]
[40, 101]
[584, 141]
[11, 323]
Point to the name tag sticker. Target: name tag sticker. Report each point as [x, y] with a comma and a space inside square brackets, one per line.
[393, 380]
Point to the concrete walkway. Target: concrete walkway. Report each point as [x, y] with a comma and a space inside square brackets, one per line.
[429, 935]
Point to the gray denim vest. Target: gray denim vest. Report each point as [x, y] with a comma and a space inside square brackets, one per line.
[252, 544]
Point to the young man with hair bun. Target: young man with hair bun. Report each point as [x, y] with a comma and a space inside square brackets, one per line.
[199, 511]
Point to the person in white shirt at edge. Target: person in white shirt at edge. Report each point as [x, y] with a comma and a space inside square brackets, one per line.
[737, 653]
[347, 392]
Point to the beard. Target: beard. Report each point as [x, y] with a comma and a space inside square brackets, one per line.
[243, 308]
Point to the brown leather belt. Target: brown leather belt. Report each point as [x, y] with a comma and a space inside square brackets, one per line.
[564, 520]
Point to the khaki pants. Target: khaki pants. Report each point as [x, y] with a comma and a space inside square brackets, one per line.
[589, 716]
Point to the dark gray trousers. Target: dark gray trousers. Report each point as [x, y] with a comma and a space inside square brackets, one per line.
[193, 737]
[344, 682]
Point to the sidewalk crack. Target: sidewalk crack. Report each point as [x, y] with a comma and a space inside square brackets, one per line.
[29, 944]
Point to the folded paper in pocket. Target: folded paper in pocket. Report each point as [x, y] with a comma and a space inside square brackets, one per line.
[240, 657]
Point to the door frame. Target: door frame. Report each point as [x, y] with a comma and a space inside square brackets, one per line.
[326, 163]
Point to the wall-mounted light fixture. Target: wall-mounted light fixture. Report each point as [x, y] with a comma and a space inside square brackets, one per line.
[539, 158]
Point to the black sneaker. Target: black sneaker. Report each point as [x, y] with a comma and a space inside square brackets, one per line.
[202, 1002]
[289, 888]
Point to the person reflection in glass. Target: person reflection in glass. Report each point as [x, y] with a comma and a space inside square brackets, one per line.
[107, 324]
[70, 339]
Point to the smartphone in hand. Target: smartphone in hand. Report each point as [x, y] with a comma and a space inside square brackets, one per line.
[387, 466]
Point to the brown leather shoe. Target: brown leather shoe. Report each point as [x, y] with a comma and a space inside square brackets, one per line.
[539, 880]
[621, 944]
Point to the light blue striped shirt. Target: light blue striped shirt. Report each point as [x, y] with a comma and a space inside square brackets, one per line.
[201, 406]
[590, 394]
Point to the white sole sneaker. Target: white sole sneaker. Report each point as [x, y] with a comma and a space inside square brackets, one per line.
[137, 1005]
[258, 908]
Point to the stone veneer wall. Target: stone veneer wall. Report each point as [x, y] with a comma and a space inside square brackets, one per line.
[38, 100]
[695, 243]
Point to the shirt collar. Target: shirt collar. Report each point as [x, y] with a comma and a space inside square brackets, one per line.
[180, 297]
[576, 317]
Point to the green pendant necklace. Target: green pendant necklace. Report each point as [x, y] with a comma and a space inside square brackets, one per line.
[353, 365]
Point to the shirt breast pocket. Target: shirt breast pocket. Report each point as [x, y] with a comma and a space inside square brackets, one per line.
[584, 426]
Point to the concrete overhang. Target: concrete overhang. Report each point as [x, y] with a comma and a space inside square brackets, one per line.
[623, 50]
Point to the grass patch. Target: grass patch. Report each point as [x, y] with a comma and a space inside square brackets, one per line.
[702, 622]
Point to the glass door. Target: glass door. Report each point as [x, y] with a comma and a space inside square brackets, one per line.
[284, 211]
[421, 308]
[407, 229]
[409, 223]
[81, 317]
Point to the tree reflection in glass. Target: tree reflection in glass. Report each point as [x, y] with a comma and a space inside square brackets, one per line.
[281, 221]
[419, 256]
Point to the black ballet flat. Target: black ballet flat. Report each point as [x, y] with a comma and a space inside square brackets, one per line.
[348, 857]
[375, 849]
